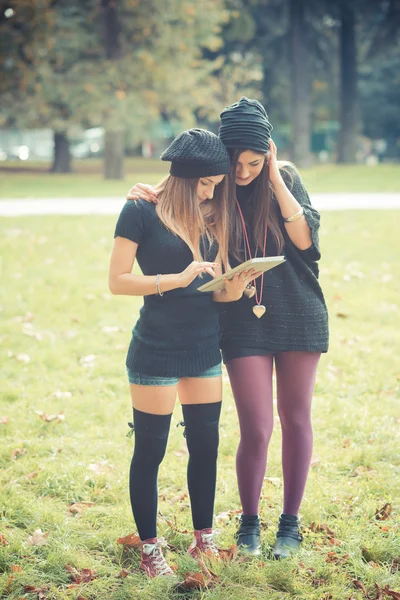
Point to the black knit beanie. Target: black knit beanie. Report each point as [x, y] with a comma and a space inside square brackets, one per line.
[245, 124]
[197, 153]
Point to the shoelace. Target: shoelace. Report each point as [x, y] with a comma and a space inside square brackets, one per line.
[157, 559]
[209, 543]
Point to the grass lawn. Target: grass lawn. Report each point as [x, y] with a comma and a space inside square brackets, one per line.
[63, 345]
[19, 180]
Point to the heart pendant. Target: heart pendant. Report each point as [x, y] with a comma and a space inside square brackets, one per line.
[259, 310]
[250, 291]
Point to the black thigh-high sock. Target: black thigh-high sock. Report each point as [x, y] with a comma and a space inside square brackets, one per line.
[202, 437]
[151, 436]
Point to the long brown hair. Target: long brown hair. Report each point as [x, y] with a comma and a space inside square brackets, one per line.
[264, 207]
[181, 212]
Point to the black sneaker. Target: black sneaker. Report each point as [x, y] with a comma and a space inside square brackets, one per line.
[248, 535]
[288, 538]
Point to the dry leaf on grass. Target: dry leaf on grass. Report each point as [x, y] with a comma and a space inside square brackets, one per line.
[3, 540]
[395, 566]
[227, 516]
[337, 559]
[78, 507]
[49, 418]
[197, 581]
[229, 554]
[390, 593]
[360, 586]
[41, 592]
[123, 573]
[80, 576]
[99, 468]
[16, 569]
[4, 420]
[131, 541]
[33, 474]
[38, 538]
[384, 513]
[17, 453]
[318, 528]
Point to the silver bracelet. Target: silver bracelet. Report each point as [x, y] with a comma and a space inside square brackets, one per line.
[294, 217]
[159, 292]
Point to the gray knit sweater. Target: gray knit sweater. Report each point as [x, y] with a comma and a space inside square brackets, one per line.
[296, 318]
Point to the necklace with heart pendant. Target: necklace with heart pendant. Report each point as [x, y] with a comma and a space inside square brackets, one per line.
[251, 290]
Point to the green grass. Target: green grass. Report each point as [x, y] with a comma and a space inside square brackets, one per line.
[19, 180]
[55, 308]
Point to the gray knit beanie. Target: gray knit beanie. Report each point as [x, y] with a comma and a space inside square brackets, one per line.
[245, 125]
[197, 153]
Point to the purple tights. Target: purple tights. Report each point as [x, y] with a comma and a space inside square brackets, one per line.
[251, 381]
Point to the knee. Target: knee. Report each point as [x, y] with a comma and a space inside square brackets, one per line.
[257, 439]
[149, 450]
[295, 420]
[202, 442]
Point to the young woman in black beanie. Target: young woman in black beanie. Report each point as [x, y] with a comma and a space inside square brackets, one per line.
[175, 343]
[280, 323]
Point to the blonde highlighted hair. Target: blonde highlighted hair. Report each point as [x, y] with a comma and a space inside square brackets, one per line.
[180, 211]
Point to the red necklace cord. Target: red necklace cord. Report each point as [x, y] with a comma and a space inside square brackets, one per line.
[247, 243]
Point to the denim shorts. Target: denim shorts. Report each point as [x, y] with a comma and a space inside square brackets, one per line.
[141, 379]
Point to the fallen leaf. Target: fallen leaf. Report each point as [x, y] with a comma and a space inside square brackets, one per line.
[315, 461]
[363, 470]
[395, 566]
[346, 443]
[41, 592]
[317, 528]
[99, 468]
[379, 593]
[123, 573]
[16, 569]
[4, 420]
[342, 315]
[384, 513]
[17, 453]
[359, 585]
[131, 541]
[3, 540]
[48, 418]
[195, 581]
[391, 593]
[38, 538]
[33, 474]
[229, 554]
[82, 575]
[78, 507]
[337, 559]
[334, 541]
[227, 516]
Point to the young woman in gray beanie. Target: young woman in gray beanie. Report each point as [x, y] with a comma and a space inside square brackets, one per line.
[281, 323]
[175, 343]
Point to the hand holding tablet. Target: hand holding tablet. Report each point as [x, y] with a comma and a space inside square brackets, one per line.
[260, 265]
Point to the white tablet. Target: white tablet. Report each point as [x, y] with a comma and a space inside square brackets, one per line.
[261, 264]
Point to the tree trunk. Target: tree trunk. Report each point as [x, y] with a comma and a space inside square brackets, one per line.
[114, 139]
[300, 88]
[62, 155]
[348, 85]
[114, 151]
